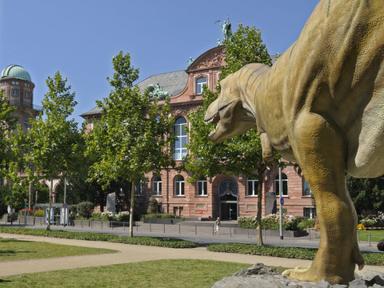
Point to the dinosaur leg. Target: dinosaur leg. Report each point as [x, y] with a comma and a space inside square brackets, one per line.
[320, 150]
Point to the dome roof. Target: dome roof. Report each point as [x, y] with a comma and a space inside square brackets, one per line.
[15, 71]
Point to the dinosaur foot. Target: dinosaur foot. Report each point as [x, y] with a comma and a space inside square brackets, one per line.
[312, 275]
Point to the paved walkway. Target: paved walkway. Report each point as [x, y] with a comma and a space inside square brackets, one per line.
[133, 253]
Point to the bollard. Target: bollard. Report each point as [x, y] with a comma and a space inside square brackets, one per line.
[150, 227]
[137, 227]
[369, 239]
[195, 229]
[164, 229]
[179, 229]
[230, 232]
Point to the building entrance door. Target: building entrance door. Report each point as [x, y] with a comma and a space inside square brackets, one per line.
[228, 200]
[228, 211]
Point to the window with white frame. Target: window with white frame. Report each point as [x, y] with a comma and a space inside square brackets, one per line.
[309, 212]
[202, 187]
[157, 185]
[199, 84]
[284, 179]
[252, 187]
[181, 138]
[179, 185]
[140, 187]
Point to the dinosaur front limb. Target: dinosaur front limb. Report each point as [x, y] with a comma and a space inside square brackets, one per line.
[266, 148]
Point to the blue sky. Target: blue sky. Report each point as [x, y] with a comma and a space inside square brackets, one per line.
[80, 37]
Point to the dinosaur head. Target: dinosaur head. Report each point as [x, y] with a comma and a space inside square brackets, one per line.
[228, 112]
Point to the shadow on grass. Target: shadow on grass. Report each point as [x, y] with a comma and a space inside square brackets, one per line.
[9, 240]
[13, 252]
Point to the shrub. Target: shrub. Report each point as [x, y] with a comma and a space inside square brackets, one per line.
[122, 216]
[373, 220]
[247, 222]
[39, 213]
[84, 209]
[306, 223]
[271, 222]
[380, 245]
[104, 216]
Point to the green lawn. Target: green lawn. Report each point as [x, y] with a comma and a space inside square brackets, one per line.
[376, 235]
[159, 274]
[12, 249]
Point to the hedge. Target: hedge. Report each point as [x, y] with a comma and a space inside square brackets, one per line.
[139, 240]
[370, 258]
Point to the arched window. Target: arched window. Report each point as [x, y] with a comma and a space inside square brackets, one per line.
[157, 185]
[181, 138]
[202, 189]
[179, 185]
[285, 184]
[252, 187]
[199, 84]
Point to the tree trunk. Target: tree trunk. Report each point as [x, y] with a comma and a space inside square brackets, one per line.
[50, 206]
[259, 229]
[131, 209]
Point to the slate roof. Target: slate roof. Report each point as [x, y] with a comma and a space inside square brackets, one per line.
[172, 82]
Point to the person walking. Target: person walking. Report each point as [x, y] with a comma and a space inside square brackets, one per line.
[217, 225]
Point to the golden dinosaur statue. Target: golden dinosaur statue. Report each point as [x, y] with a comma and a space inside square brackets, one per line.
[322, 105]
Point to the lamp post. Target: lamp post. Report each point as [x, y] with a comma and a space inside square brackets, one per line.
[281, 204]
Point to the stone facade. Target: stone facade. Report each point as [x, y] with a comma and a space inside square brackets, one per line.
[225, 197]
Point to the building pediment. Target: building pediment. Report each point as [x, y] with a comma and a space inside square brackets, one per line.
[213, 58]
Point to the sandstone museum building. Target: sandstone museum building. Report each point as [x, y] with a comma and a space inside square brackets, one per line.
[222, 196]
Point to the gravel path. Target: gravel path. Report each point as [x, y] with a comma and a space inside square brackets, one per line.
[133, 253]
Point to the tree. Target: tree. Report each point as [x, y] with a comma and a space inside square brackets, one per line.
[7, 125]
[367, 194]
[132, 136]
[241, 155]
[53, 138]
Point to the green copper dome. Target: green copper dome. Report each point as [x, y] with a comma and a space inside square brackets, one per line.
[15, 71]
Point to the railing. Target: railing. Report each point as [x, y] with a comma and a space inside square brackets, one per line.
[185, 229]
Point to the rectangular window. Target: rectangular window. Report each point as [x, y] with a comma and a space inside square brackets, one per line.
[306, 189]
[180, 188]
[309, 212]
[15, 96]
[157, 188]
[200, 83]
[252, 187]
[202, 188]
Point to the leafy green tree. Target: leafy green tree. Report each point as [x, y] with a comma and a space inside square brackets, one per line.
[14, 191]
[53, 138]
[132, 136]
[7, 125]
[241, 155]
[367, 194]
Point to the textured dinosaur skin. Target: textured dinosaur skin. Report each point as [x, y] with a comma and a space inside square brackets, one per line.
[322, 106]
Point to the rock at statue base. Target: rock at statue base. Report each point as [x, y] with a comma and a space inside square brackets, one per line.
[261, 276]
